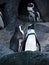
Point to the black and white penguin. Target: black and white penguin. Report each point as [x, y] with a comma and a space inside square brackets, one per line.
[32, 43]
[32, 13]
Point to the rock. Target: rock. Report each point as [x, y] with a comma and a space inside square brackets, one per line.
[43, 8]
[4, 51]
[2, 1]
[10, 11]
[25, 58]
[42, 32]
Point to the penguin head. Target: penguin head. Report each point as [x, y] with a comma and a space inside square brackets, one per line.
[30, 7]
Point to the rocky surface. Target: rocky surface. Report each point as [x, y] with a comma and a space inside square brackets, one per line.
[42, 31]
[4, 51]
[43, 8]
[2, 1]
[25, 58]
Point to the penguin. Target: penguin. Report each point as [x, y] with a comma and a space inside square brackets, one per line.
[32, 13]
[32, 43]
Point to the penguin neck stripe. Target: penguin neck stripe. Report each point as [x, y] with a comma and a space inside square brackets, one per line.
[31, 34]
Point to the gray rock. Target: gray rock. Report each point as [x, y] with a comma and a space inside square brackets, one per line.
[4, 51]
[43, 8]
[25, 58]
[42, 31]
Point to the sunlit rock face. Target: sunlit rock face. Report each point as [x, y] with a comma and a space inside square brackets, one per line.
[43, 8]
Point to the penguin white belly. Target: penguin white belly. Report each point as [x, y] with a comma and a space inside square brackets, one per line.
[31, 43]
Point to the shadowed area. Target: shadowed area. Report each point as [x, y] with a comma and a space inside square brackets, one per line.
[25, 58]
[43, 8]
